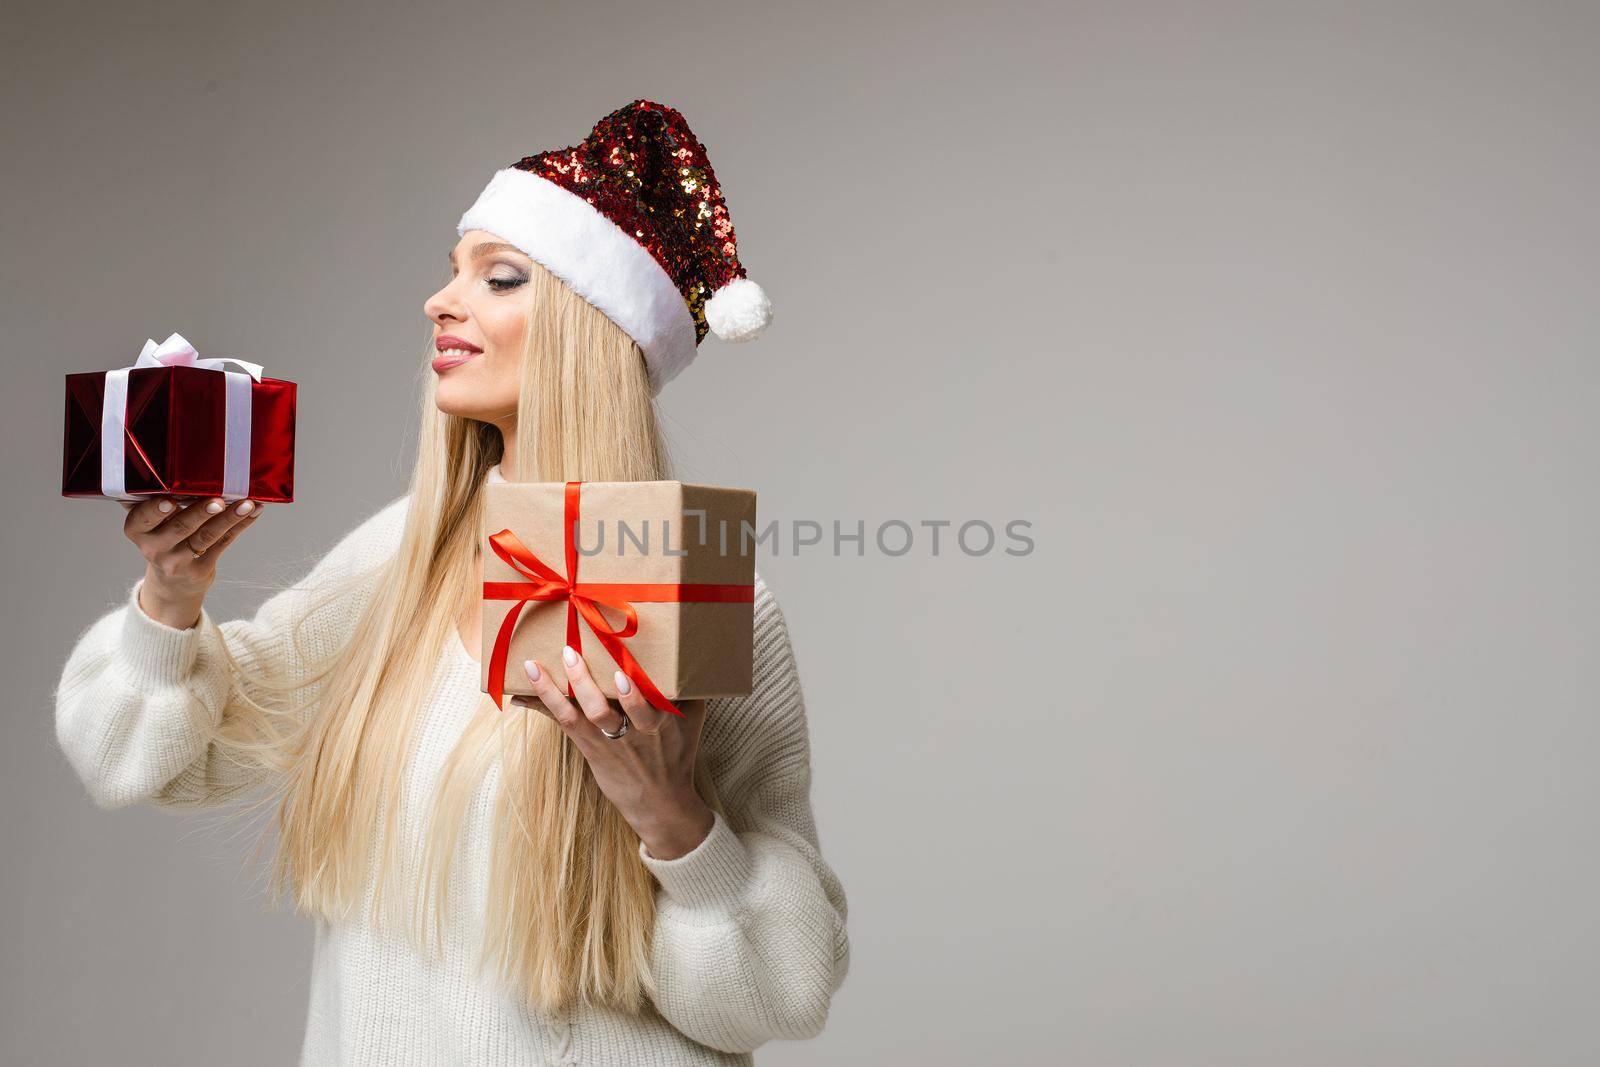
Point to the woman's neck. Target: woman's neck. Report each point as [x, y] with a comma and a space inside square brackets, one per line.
[508, 450]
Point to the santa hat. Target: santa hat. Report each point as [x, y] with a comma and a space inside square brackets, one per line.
[633, 221]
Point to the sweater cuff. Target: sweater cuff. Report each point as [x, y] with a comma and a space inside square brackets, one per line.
[717, 873]
[153, 652]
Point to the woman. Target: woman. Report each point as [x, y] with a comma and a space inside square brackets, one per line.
[564, 881]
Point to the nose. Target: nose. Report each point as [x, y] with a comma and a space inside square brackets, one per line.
[445, 306]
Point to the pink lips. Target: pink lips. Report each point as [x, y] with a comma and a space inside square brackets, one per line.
[444, 363]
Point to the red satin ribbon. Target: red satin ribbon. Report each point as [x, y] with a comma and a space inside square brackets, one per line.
[585, 598]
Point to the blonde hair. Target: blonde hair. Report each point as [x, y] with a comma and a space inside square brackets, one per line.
[570, 906]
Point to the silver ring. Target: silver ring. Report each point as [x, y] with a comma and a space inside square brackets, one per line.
[625, 725]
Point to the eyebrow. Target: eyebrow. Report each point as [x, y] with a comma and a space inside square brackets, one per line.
[487, 248]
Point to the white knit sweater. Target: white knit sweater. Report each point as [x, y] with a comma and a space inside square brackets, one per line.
[749, 943]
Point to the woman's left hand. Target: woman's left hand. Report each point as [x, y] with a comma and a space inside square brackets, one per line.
[648, 772]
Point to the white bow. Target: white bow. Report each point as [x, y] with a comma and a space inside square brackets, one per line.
[177, 352]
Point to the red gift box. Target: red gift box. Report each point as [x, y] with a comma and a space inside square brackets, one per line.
[175, 431]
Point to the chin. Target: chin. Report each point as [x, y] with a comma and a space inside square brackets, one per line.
[452, 399]
[465, 401]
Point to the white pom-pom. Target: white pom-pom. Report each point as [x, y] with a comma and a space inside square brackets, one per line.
[739, 311]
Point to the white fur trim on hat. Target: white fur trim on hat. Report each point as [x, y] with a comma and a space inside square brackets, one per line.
[577, 243]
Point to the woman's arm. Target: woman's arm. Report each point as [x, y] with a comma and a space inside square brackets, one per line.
[750, 941]
[139, 700]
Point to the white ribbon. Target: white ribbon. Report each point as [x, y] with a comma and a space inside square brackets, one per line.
[176, 352]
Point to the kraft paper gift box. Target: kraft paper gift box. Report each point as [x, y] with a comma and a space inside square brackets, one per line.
[676, 553]
[175, 424]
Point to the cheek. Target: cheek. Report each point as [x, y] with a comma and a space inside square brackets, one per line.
[500, 373]
[505, 326]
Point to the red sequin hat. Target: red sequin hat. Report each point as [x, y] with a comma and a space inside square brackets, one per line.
[634, 222]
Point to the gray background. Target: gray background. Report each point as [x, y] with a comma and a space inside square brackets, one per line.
[1276, 321]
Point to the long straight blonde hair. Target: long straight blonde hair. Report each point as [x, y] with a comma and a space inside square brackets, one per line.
[570, 906]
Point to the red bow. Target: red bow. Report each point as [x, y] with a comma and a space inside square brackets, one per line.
[584, 598]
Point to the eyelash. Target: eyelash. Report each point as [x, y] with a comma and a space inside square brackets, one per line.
[500, 285]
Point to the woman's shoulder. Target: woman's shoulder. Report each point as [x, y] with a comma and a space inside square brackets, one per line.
[771, 628]
[775, 688]
[380, 531]
[747, 739]
[373, 540]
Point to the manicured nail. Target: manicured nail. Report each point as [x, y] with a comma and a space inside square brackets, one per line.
[214, 507]
[164, 507]
[570, 656]
[532, 668]
[624, 687]
[247, 507]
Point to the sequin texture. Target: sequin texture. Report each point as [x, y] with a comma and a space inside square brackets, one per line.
[646, 171]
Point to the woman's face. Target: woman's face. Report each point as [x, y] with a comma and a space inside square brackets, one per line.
[479, 322]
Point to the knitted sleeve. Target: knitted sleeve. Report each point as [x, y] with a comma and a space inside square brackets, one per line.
[750, 941]
[138, 700]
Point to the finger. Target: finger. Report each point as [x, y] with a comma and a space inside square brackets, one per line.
[211, 531]
[146, 515]
[185, 522]
[232, 533]
[594, 703]
[556, 705]
[640, 712]
[532, 704]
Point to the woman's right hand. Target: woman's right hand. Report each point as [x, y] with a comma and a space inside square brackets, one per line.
[180, 543]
